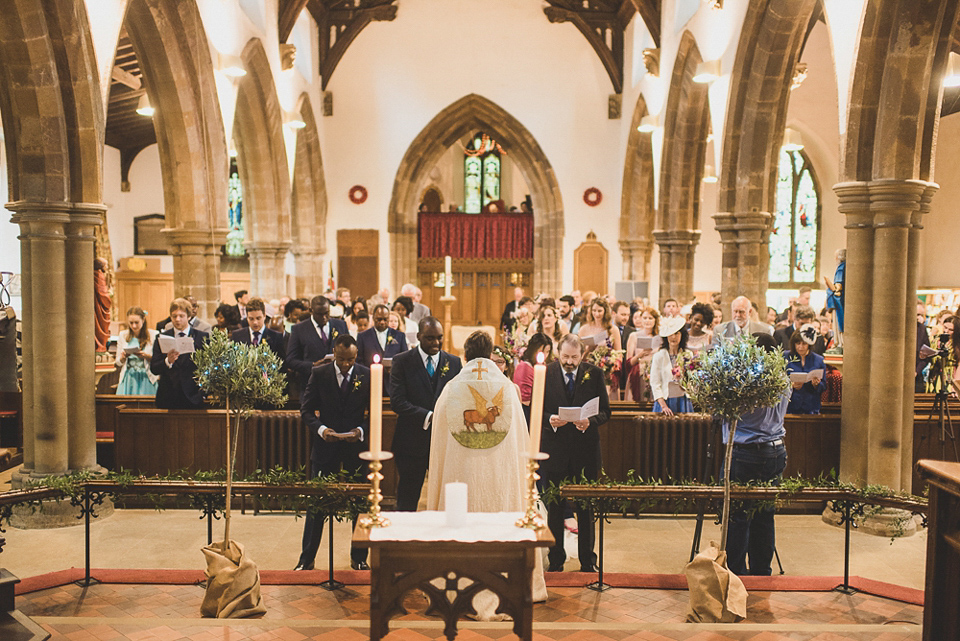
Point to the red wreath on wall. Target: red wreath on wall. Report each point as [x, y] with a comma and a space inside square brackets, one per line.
[358, 194]
[592, 197]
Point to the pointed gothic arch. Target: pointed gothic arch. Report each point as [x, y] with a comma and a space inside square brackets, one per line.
[171, 45]
[308, 206]
[467, 115]
[685, 131]
[262, 161]
[637, 204]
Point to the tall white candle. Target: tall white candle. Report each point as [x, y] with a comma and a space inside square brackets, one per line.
[536, 404]
[447, 275]
[455, 504]
[376, 406]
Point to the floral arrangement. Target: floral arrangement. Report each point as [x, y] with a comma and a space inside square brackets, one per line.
[516, 341]
[608, 360]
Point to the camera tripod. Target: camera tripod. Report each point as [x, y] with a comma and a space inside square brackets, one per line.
[941, 408]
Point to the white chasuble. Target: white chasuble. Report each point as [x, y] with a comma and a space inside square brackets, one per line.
[480, 438]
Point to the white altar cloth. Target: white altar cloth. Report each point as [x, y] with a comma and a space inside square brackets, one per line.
[432, 526]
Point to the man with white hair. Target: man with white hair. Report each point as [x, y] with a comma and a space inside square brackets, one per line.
[741, 325]
[420, 310]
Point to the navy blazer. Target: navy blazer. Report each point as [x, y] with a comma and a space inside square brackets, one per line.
[272, 338]
[568, 443]
[368, 345]
[177, 389]
[324, 404]
[413, 395]
[305, 346]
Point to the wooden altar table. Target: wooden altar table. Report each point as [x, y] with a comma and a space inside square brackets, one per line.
[489, 552]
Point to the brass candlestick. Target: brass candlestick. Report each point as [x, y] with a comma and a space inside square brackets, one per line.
[531, 518]
[373, 518]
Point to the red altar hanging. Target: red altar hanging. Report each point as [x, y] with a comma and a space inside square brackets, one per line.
[475, 235]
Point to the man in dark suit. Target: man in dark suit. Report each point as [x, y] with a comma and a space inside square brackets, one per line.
[380, 340]
[257, 332]
[311, 341]
[574, 447]
[802, 315]
[416, 380]
[177, 389]
[508, 320]
[335, 408]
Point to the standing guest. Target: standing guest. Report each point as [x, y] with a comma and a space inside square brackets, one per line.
[335, 408]
[803, 315]
[194, 321]
[508, 319]
[600, 325]
[621, 318]
[803, 295]
[228, 318]
[548, 322]
[404, 306]
[294, 312]
[343, 295]
[565, 310]
[502, 358]
[417, 378]
[574, 447]
[663, 368]
[420, 311]
[362, 323]
[395, 322]
[701, 320]
[539, 343]
[135, 375]
[919, 385]
[255, 332]
[802, 359]
[771, 316]
[647, 322]
[741, 325]
[241, 296]
[671, 308]
[380, 340]
[759, 456]
[717, 317]
[176, 388]
[311, 341]
[384, 294]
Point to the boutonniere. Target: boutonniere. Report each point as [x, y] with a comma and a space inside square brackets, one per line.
[334, 333]
[357, 383]
[586, 377]
[444, 370]
[390, 339]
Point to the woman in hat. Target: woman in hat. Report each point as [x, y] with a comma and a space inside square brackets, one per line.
[802, 360]
[668, 398]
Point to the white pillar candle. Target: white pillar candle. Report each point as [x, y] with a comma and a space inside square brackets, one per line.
[455, 504]
[447, 275]
[536, 404]
[376, 406]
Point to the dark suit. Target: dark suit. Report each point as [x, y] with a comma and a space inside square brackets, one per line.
[176, 389]
[368, 346]
[572, 452]
[271, 337]
[305, 346]
[413, 395]
[325, 404]
[922, 339]
[507, 320]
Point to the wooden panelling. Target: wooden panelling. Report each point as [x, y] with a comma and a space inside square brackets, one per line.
[153, 291]
[358, 261]
[482, 287]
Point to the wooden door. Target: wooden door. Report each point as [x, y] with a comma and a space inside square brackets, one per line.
[590, 271]
[358, 261]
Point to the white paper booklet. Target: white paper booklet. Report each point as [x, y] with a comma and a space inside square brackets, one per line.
[590, 408]
[182, 344]
[806, 377]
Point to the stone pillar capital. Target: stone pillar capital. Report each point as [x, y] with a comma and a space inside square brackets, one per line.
[194, 241]
[636, 244]
[677, 237]
[884, 203]
[277, 248]
[36, 217]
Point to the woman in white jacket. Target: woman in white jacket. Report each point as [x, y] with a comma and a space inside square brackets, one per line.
[134, 350]
[663, 369]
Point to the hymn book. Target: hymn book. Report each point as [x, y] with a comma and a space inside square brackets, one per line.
[806, 377]
[571, 414]
[179, 344]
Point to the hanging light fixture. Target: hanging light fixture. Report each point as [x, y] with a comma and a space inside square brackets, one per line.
[709, 175]
[707, 71]
[952, 77]
[144, 108]
[792, 140]
[648, 124]
[294, 122]
[231, 65]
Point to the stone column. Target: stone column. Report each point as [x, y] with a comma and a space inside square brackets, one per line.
[883, 220]
[196, 265]
[636, 258]
[45, 338]
[81, 347]
[267, 268]
[403, 242]
[677, 248]
[745, 239]
[309, 272]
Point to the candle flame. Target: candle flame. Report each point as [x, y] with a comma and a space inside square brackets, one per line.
[540, 358]
[376, 359]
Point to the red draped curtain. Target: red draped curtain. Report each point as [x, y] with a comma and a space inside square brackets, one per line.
[475, 235]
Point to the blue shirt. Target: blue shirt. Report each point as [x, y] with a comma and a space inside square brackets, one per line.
[806, 400]
[762, 424]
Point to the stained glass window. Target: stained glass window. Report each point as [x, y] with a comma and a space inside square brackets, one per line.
[234, 212]
[795, 239]
[481, 173]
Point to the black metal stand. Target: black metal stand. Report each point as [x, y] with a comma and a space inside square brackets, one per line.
[331, 583]
[599, 585]
[846, 508]
[941, 408]
[87, 510]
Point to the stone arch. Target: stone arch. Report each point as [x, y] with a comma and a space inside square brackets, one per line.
[53, 118]
[465, 116]
[308, 200]
[262, 161]
[685, 129]
[637, 204]
[172, 47]
[771, 42]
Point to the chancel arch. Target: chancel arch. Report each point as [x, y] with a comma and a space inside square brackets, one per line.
[52, 112]
[770, 45]
[637, 205]
[172, 47]
[262, 160]
[685, 129]
[308, 209]
[466, 116]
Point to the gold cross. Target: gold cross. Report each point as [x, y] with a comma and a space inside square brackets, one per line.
[479, 370]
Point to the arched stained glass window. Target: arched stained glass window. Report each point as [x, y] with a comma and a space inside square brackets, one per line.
[234, 212]
[481, 173]
[795, 239]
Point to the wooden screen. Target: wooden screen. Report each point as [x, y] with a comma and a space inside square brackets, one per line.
[358, 261]
[482, 287]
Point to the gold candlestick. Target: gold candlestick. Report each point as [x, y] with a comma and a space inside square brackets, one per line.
[373, 518]
[531, 518]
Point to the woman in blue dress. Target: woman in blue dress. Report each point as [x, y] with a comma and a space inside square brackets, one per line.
[664, 371]
[802, 360]
[134, 350]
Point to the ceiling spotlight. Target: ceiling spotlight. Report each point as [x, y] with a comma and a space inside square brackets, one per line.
[792, 140]
[144, 108]
[648, 124]
[231, 65]
[709, 175]
[952, 77]
[707, 71]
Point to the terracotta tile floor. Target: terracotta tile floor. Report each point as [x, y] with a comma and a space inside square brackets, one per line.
[134, 612]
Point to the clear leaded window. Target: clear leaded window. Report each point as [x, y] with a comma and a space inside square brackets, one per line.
[481, 173]
[795, 239]
[234, 212]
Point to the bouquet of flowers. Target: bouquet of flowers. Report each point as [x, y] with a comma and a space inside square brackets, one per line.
[516, 341]
[608, 360]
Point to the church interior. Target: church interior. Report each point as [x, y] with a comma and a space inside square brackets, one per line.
[648, 150]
